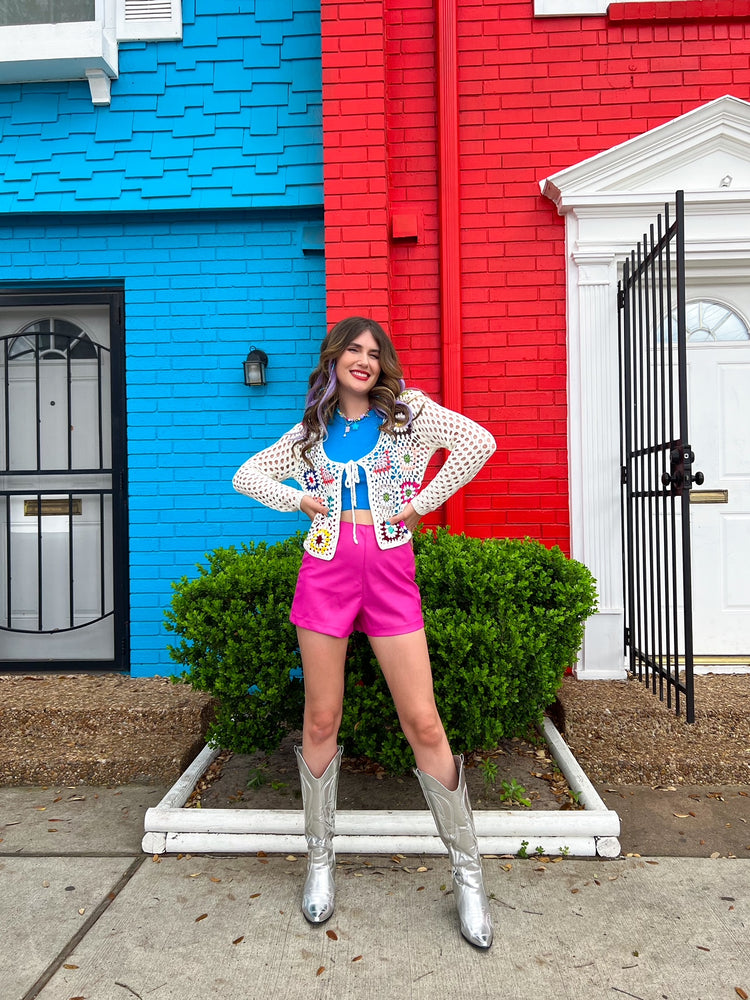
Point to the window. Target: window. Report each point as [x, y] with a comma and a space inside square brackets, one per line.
[46, 11]
[77, 39]
[706, 322]
[712, 323]
[52, 339]
[648, 12]
[563, 8]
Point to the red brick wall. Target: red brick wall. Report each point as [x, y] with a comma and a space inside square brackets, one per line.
[355, 161]
[536, 95]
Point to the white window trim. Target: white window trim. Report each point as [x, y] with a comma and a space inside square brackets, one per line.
[85, 50]
[569, 8]
[563, 8]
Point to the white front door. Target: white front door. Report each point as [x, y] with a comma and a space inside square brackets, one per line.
[57, 518]
[719, 416]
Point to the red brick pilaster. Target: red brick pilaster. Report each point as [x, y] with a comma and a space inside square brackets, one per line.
[355, 159]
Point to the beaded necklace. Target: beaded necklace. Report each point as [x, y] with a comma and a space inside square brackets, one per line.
[352, 424]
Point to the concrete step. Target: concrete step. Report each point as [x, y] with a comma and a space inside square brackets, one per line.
[143, 760]
[85, 723]
[98, 729]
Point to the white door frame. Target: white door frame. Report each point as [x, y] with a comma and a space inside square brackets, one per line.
[609, 201]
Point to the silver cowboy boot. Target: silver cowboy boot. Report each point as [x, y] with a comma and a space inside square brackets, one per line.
[455, 824]
[319, 802]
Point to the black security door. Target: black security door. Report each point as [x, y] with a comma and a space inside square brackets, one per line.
[657, 463]
[63, 516]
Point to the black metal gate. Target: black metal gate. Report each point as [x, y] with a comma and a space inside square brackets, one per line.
[63, 517]
[657, 463]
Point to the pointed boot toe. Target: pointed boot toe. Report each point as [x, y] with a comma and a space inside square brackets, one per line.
[317, 911]
[318, 896]
[481, 940]
[474, 916]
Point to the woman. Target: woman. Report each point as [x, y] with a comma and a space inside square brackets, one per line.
[359, 455]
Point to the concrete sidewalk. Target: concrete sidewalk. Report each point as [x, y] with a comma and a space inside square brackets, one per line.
[84, 914]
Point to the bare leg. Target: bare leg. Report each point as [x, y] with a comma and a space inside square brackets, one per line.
[323, 659]
[405, 662]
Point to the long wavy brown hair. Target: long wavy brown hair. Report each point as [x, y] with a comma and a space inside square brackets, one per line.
[322, 387]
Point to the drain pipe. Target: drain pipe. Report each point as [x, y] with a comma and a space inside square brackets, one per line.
[450, 227]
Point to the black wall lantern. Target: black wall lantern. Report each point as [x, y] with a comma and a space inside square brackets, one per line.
[255, 367]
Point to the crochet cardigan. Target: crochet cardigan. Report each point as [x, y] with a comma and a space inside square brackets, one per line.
[394, 469]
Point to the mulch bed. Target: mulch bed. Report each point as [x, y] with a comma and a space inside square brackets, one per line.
[270, 781]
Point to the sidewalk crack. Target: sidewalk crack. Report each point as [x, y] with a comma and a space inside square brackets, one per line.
[71, 945]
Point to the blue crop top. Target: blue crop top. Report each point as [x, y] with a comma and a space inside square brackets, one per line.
[358, 442]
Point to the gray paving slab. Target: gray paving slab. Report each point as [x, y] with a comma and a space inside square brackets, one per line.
[198, 927]
[44, 904]
[686, 820]
[78, 819]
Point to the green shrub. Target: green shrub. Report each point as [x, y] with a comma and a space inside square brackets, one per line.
[237, 642]
[504, 619]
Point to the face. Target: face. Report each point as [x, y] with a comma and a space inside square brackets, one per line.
[358, 368]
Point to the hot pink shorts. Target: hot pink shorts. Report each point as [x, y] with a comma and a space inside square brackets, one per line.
[363, 588]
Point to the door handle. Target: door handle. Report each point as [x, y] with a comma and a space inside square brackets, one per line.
[680, 478]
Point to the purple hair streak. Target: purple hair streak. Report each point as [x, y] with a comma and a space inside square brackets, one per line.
[319, 399]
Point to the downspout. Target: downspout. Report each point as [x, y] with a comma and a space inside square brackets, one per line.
[450, 227]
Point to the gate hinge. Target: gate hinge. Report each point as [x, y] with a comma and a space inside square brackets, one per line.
[627, 636]
[624, 475]
[620, 298]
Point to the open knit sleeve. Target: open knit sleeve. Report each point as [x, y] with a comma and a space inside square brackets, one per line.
[469, 444]
[262, 476]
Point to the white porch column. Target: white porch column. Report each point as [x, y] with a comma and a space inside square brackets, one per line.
[594, 444]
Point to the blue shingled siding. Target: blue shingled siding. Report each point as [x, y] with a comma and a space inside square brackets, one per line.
[199, 190]
[231, 115]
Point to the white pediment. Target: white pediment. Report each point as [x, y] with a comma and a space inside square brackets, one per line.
[706, 150]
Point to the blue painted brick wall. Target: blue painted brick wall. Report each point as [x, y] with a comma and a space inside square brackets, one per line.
[200, 289]
[228, 117]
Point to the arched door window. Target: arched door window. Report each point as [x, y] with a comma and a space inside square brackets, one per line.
[52, 339]
[713, 323]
